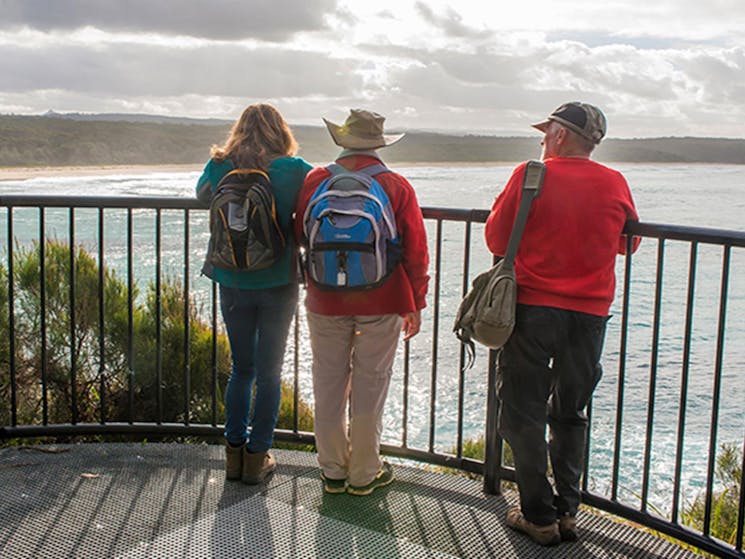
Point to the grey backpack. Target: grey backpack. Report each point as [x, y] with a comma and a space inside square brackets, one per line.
[245, 233]
[487, 313]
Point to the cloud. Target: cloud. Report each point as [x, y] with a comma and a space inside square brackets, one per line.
[142, 70]
[269, 20]
[437, 65]
[451, 23]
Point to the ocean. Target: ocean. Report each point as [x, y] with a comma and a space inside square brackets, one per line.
[691, 195]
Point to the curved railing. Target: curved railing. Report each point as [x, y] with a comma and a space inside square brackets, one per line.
[439, 407]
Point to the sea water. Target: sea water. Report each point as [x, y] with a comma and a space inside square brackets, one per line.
[690, 195]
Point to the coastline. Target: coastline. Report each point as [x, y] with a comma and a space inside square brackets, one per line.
[25, 173]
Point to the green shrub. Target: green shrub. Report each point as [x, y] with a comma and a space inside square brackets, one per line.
[63, 348]
[102, 379]
[725, 502]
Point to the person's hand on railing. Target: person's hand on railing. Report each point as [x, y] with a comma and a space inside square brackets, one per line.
[412, 323]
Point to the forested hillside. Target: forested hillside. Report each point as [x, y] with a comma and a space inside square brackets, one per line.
[44, 141]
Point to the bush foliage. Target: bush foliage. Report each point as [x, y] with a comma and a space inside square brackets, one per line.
[66, 363]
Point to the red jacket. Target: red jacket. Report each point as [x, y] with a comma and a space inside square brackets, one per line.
[567, 255]
[406, 289]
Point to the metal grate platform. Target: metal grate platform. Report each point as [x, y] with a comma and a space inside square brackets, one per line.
[172, 500]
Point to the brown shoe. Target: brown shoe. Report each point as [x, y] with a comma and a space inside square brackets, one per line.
[233, 462]
[568, 528]
[257, 466]
[543, 535]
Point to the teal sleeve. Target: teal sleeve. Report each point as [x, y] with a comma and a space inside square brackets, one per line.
[211, 175]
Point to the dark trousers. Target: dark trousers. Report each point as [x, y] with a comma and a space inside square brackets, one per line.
[547, 372]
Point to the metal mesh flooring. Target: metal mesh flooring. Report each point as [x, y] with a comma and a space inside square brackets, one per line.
[172, 500]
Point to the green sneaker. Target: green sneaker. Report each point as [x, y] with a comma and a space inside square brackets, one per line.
[382, 478]
[333, 486]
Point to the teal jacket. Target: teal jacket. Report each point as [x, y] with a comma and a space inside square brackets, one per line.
[286, 175]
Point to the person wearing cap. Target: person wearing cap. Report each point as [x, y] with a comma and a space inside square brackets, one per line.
[354, 334]
[565, 269]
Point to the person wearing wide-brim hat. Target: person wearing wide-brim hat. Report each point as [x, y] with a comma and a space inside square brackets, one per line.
[361, 130]
[354, 333]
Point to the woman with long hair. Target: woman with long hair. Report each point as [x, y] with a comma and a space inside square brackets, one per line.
[257, 306]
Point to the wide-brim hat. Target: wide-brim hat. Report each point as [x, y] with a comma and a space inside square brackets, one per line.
[362, 130]
[586, 120]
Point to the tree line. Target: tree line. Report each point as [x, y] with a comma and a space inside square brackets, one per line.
[50, 141]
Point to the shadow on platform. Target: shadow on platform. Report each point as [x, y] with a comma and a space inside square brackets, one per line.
[172, 500]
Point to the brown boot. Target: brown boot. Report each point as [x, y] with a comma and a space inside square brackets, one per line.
[543, 535]
[233, 462]
[257, 466]
[568, 528]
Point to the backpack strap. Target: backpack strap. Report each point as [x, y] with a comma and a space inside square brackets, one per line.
[263, 177]
[248, 171]
[370, 170]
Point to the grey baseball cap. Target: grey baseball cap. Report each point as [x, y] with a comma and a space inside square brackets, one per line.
[586, 120]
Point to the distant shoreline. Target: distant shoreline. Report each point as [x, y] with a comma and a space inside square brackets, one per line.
[26, 173]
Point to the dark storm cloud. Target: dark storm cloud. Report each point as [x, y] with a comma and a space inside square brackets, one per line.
[132, 70]
[271, 20]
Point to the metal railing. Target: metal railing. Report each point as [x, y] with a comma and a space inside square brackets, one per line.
[66, 373]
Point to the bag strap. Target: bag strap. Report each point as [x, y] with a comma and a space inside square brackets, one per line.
[263, 177]
[532, 183]
[370, 170]
[246, 171]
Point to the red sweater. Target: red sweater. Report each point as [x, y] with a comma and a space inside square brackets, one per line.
[406, 289]
[567, 255]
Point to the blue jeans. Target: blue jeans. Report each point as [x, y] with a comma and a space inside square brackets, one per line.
[257, 321]
[547, 373]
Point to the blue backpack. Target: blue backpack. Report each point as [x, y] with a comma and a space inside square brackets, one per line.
[351, 230]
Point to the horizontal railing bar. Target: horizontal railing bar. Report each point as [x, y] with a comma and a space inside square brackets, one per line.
[135, 202]
[162, 202]
[684, 233]
[455, 214]
[655, 230]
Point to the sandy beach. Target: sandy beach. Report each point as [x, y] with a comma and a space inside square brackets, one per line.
[23, 173]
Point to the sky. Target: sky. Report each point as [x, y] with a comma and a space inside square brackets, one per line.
[656, 68]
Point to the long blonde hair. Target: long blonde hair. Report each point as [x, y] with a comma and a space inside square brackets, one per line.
[258, 137]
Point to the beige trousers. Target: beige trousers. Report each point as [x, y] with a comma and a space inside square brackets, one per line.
[352, 364]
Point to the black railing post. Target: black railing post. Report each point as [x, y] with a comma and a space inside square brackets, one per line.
[12, 325]
[296, 372]
[435, 338]
[101, 316]
[187, 325]
[493, 442]
[73, 341]
[43, 318]
[130, 320]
